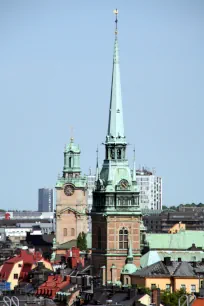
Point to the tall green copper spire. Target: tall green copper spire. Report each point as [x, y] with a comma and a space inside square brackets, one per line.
[115, 124]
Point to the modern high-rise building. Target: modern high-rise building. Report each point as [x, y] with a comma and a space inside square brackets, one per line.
[150, 186]
[91, 178]
[45, 200]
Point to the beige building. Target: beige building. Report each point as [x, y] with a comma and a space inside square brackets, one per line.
[71, 198]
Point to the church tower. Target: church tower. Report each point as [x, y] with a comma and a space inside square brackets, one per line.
[71, 203]
[116, 214]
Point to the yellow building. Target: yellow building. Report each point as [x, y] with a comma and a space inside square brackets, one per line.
[16, 269]
[169, 275]
[176, 228]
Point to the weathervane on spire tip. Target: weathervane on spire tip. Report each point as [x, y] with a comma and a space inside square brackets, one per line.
[116, 21]
[72, 133]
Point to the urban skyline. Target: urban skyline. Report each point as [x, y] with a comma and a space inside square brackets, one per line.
[162, 73]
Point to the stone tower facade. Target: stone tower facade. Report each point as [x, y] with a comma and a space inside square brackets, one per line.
[116, 215]
[71, 199]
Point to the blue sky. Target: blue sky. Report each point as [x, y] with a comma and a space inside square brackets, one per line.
[55, 72]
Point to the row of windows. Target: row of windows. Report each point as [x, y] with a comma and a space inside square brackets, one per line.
[65, 232]
[183, 287]
[120, 202]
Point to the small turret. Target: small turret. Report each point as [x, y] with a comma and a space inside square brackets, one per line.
[129, 267]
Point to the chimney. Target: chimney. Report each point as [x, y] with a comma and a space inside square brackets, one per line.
[194, 264]
[156, 299]
[167, 261]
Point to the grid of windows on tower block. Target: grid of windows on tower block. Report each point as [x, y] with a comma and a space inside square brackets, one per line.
[150, 187]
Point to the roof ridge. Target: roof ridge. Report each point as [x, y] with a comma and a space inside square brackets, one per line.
[164, 267]
[176, 269]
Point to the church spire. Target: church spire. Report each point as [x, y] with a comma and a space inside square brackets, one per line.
[97, 167]
[134, 168]
[130, 255]
[115, 124]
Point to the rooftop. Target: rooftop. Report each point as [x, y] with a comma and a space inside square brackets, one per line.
[182, 240]
[170, 268]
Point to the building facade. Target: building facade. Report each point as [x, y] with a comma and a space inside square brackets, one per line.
[163, 221]
[45, 200]
[150, 187]
[116, 215]
[71, 198]
[90, 187]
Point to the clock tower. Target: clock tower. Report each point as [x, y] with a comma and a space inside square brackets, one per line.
[116, 215]
[71, 203]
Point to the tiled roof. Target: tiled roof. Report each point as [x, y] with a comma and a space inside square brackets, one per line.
[6, 270]
[176, 268]
[67, 245]
[198, 302]
[155, 269]
[27, 258]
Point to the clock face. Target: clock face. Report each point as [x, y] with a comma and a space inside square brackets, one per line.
[123, 184]
[69, 190]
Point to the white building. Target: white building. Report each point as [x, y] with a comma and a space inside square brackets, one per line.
[150, 187]
[90, 187]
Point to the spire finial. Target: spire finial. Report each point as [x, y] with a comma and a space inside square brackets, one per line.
[116, 21]
[72, 133]
[97, 169]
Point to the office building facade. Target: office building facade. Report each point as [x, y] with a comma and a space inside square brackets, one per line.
[150, 187]
[45, 200]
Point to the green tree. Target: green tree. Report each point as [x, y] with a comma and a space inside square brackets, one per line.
[171, 299]
[79, 241]
[82, 242]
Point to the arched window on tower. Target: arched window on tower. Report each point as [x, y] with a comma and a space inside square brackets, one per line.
[99, 238]
[70, 162]
[72, 232]
[65, 232]
[123, 238]
[119, 154]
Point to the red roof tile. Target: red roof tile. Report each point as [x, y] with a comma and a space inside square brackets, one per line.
[198, 302]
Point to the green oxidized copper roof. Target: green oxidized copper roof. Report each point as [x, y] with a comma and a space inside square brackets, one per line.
[182, 240]
[115, 124]
[72, 147]
[152, 257]
[129, 268]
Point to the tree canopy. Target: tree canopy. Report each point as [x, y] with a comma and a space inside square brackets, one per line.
[183, 205]
[82, 242]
